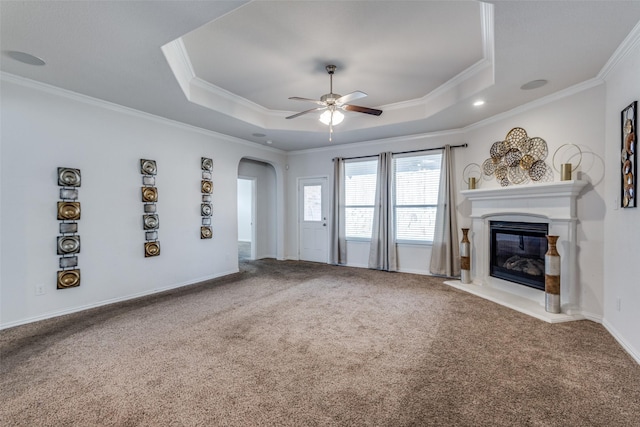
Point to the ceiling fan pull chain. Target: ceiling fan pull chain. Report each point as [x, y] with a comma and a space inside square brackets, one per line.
[331, 126]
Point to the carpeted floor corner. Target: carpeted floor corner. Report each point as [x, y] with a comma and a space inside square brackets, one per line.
[288, 343]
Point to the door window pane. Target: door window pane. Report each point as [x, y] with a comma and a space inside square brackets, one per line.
[312, 195]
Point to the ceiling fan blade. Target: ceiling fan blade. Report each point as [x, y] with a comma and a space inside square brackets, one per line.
[307, 111]
[359, 109]
[350, 97]
[315, 101]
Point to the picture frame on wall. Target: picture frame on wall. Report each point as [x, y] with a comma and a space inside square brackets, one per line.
[629, 156]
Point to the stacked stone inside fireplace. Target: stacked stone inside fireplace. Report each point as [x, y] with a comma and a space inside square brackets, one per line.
[517, 252]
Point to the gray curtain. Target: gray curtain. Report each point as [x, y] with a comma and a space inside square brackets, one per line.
[338, 234]
[382, 253]
[445, 253]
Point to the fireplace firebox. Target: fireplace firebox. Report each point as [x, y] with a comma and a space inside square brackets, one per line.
[517, 252]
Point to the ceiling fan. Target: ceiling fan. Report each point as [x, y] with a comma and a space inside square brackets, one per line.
[333, 102]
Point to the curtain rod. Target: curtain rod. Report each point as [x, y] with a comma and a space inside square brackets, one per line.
[405, 152]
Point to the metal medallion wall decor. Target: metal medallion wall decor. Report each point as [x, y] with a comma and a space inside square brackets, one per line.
[206, 188]
[150, 220]
[629, 157]
[518, 159]
[68, 243]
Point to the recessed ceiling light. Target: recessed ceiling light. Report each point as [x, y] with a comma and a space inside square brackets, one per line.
[269, 142]
[25, 58]
[478, 103]
[258, 135]
[533, 84]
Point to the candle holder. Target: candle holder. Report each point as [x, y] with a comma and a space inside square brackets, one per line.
[471, 175]
[566, 168]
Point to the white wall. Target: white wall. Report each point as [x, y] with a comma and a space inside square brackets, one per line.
[318, 162]
[571, 119]
[244, 209]
[621, 226]
[44, 128]
[266, 210]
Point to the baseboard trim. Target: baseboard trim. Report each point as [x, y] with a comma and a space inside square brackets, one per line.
[635, 354]
[357, 265]
[412, 271]
[114, 300]
[591, 316]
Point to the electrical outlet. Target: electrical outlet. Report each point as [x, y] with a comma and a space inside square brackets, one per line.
[618, 304]
[40, 289]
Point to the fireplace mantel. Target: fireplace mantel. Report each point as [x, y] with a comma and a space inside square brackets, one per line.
[552, 203]
[554, 199]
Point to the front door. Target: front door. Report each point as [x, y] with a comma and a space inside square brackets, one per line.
[312, 196]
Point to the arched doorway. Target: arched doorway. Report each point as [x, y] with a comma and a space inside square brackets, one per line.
[257, 213]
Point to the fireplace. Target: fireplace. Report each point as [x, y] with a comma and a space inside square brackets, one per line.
[553, 205]
[517, 252]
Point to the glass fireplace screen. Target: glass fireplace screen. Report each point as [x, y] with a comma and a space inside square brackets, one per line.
[517, 252]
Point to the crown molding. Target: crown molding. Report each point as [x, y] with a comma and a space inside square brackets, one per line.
[373, 142]
[227, 96]
[627, 45]
[178, 59]
[100, 103]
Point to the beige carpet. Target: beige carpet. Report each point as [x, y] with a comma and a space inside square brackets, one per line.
[302, 344]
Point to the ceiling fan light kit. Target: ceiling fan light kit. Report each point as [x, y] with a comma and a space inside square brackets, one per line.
[331, 103]
[331, 117]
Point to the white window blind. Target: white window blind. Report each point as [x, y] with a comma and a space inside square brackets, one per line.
[417, 180]
[360, 193]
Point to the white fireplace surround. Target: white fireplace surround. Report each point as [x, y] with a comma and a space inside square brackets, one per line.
[551, 203]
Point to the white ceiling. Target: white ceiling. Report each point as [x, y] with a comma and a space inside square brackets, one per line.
[230, 66]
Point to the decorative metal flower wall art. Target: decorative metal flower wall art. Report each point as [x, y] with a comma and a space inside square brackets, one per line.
[205, 232]
[150, 222]
[68, 245]
[148, 167]
[206, 188]
[150, 219]
[151, 249]
[518, 159]
[68, 242]
[68, 177]
[68, 211]
[68, 279]
[149, 194]
[206, 209]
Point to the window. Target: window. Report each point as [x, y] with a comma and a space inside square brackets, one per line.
[417, 180]
[360, 193]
